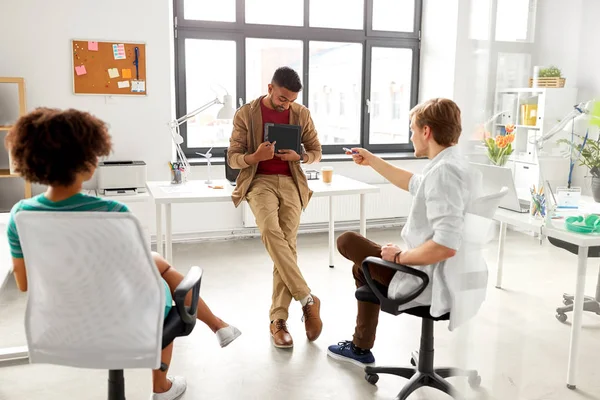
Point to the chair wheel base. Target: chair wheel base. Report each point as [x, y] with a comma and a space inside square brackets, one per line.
[372, 378]
[572, 387]
[331, 266]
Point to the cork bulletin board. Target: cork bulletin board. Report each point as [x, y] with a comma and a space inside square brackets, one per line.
[109, 68]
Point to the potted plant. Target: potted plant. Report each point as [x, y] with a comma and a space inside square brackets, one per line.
[500, 148]
[587, 151]
[549, 77]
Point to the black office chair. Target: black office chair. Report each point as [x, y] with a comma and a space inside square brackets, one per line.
[423, 372]
[180, 321]
[590, 304]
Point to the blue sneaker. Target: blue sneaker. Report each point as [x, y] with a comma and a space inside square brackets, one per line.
[343, 352]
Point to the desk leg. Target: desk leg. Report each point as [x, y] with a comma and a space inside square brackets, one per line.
[159, 233]
[363, 216]
[582, 255]
[168, 234]
[501, 241]
[331, 232]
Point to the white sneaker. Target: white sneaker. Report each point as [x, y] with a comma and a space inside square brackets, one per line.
[227, 335]
[177, 389]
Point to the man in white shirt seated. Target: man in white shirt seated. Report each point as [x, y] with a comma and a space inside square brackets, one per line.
[434, 228]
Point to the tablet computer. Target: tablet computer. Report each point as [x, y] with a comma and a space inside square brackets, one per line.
[288, 137]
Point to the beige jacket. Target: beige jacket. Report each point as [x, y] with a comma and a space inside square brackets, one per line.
[247, 135]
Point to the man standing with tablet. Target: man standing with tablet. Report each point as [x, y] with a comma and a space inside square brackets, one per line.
[277, 191]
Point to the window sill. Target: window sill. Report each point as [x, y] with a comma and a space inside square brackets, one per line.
[326, 158]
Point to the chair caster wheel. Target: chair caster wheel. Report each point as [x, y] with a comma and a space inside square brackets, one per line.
[567, 302]
[474, 381]
[561, 317]
[372, 378]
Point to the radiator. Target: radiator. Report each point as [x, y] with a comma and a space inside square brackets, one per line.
[390, 202]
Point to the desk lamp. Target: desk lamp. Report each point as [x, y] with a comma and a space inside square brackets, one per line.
[226, 112]
[579, 119]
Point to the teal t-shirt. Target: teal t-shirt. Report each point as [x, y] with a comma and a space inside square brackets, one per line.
[78, 202]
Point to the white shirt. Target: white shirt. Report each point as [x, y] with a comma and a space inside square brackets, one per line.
[442, 194]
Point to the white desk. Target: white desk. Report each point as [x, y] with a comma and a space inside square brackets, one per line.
[10, 353]
[165, 194]
[518, 220]
[583, 242]
[558, 231]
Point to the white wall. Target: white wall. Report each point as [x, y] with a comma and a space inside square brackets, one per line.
[588, 77]
[558, 30]
[566, 36]
[36, 44]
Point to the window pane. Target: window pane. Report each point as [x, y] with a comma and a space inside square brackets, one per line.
[390, 95]
[513, 70]
[344, 14]
[263, 12]
[394, 15]
[207, 10]
[263, 57]
[479, 20]
[512, 20]
[210, 72]
[335, 71]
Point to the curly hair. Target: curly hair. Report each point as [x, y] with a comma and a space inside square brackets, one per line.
[51, 146]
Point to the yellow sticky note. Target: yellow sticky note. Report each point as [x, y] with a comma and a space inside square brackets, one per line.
[126, 73]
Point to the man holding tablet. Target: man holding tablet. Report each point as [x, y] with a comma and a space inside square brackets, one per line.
[277, 191]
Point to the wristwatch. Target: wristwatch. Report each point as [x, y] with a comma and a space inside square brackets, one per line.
[302, 153]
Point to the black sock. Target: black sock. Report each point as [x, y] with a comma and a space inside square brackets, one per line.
[358, 351]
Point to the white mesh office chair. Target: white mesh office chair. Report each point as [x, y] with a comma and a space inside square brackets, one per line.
[96, 299]
[424, 373]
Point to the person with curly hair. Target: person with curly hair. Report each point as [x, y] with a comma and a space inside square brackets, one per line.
[60, 149]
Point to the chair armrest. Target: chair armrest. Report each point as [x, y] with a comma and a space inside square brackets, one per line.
[388, 305]
[191, 282]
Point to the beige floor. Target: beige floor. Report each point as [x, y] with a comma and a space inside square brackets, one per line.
[515, 342]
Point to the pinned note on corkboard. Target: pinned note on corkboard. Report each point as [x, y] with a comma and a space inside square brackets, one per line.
[109, 68]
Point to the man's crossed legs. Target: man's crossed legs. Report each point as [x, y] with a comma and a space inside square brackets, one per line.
[275, 202]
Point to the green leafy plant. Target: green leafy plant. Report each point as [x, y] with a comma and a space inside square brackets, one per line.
[588, 154]
[550, 72]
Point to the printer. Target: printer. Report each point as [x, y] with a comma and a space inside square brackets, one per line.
[119, 178]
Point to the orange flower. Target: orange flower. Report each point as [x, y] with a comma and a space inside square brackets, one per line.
[501, 141]
[510, 138]
[510, 128]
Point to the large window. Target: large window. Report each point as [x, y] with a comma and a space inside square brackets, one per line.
[359, 72]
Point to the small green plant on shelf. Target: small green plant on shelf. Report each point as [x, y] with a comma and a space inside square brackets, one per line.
[550, 72]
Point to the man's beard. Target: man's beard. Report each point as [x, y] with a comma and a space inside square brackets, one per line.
[275, 107]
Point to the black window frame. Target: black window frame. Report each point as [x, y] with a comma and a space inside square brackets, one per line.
[239, 31]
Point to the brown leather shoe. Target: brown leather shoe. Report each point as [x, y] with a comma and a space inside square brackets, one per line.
[281, 337]
[312, 319]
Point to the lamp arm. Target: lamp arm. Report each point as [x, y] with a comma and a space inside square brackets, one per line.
[559, 126]
[197, 111]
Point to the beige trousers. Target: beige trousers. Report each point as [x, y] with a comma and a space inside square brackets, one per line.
[275, 202]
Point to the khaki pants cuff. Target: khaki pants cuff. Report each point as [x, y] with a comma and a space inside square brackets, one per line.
[279, 315]
[363, 344]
